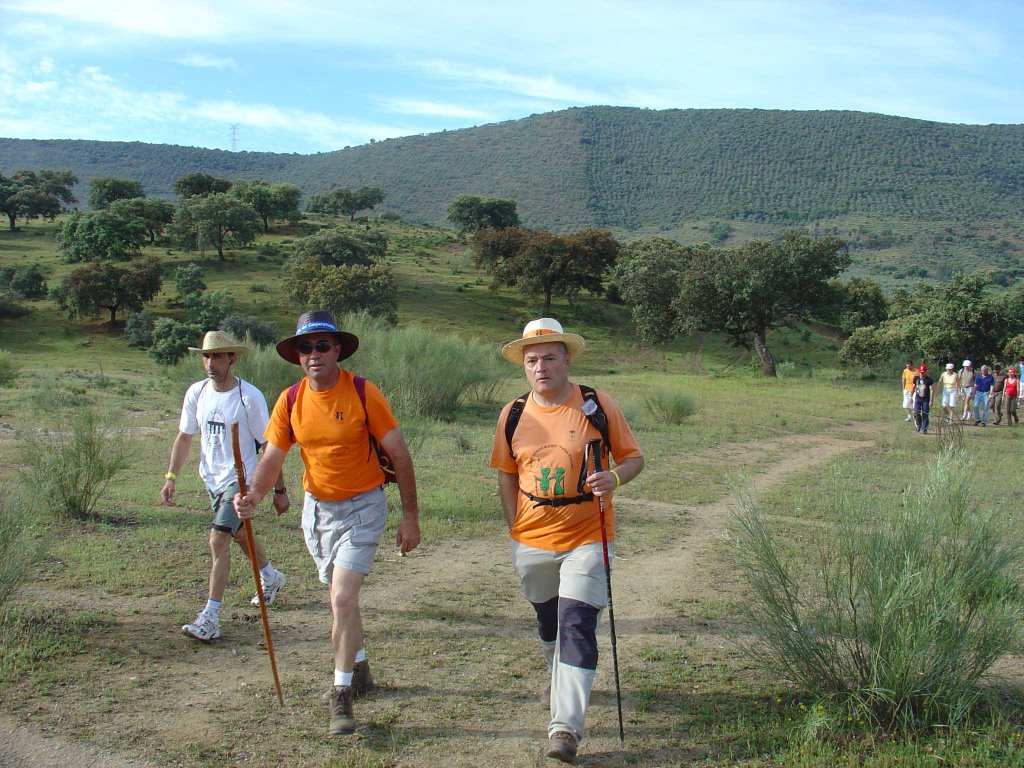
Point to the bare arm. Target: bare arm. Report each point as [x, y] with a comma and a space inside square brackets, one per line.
[179, 452]
[262, 480]
[508, 490]
[408, 537]
[604, 482]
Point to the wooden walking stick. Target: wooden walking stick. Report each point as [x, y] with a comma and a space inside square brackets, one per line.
[251, 542]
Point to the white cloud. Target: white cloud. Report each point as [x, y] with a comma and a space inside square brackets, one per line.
[434, 109]
[207, 61]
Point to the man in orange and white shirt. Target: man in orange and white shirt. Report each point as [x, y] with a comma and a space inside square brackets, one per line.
[344, 509]
[550, 500]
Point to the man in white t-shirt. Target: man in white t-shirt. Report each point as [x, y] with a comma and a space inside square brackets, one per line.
[211, 407]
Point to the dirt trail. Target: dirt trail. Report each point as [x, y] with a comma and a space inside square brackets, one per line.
[459, 677]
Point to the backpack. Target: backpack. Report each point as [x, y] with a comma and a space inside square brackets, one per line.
[591, 409]
[387, 466]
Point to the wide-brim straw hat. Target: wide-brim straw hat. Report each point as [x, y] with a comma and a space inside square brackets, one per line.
[219, 341]
[317, 321]
[546, 330]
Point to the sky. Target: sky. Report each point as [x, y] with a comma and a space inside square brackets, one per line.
[319, 75]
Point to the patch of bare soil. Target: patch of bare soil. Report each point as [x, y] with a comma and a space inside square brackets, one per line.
[452, 646]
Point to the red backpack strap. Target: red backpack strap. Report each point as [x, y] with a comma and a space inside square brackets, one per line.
[290, 397]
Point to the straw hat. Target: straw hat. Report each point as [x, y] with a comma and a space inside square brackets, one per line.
[543, 331]
[219, 341]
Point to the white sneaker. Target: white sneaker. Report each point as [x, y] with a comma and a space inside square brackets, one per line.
[909, 418]
[205, 628]
[270, 589]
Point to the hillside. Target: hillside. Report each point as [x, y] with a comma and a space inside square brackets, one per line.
[927, 196]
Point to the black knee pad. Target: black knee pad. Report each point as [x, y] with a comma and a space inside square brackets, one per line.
[577, 643]
[547, 619]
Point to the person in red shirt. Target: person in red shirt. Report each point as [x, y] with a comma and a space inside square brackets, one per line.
[1011, 394]
[550, 499]
[344, 509]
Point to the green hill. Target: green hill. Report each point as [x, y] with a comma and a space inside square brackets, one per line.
[916, 198]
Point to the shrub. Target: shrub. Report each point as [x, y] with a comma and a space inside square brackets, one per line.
[138, 329]
[19, 548]
[894, 622]
[8, 368]
[248, 327]
[188, 280]
[172, 339]
[10, 309]
[70, 465]
[208, 309]
[670, 406]
[29, 283]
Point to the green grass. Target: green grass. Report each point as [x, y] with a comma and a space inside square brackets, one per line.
[459, 654]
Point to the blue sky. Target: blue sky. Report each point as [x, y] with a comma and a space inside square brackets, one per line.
[317, 76]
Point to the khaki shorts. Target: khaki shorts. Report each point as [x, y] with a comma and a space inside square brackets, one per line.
[577, 574]
[223, 505]
[344, 534]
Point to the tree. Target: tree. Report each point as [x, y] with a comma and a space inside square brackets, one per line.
[747, 291]
[217, 219]
[344, 200]
[472, 212]
[29, 283]
[188, 280]
[172, 339]
[352, 288]
[154, 214]
[339, 245]
[649, 273]
[858, 303]
[29, 195]
[103, 190]
[537, 262]
[199, 184]
[270, 201]
[102, 235]
[101, 285]
[207, 310]
[258, 332]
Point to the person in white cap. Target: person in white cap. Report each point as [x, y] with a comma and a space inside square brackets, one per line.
[211, 406]
[550, 496]
[950, 383]
[966, 388]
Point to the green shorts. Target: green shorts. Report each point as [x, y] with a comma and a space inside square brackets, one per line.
[223, 507]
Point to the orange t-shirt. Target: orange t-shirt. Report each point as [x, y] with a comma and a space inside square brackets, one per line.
[548, 445]
[331, 432]
[908, 380]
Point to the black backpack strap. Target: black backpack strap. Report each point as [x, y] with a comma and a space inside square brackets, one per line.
[597, 416]
[514, 415]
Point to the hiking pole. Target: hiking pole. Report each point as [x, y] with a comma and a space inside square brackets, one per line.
[251, 541]
[594, 447]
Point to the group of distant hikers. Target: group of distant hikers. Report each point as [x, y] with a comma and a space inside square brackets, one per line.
[966, 395]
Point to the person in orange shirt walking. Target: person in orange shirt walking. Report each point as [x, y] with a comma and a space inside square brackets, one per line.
[908, 389]
[551, 503]
[344, 509]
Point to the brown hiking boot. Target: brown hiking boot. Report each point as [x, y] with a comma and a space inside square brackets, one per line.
[343, 721]
[561, 746]
[362, 680]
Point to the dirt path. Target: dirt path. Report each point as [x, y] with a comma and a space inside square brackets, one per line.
[452, 644]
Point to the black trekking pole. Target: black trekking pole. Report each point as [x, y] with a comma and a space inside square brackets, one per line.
[594, 447]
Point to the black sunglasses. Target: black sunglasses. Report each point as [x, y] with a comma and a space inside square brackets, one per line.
[307, 347]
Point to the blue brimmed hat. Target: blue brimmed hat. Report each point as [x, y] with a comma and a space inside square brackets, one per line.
[317, 321]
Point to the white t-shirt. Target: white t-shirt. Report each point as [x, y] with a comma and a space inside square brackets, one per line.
[211, 414]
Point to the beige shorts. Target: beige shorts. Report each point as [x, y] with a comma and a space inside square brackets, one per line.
[344, 534]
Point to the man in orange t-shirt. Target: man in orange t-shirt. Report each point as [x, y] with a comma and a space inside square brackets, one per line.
[549, 497]
[344, 509]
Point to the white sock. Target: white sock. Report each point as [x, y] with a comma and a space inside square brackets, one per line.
[268, 572]
[342, 678]
[360, 655]
[212, 609]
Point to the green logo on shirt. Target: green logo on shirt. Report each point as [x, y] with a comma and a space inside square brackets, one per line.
[544, 481]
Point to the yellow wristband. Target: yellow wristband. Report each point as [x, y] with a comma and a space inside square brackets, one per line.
[618, 482]
[170, 476]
